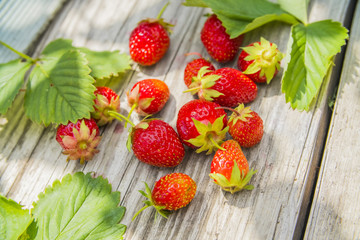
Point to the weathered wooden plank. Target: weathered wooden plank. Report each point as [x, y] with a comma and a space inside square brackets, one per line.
[21, 22]
[284, 159]
[335, 212]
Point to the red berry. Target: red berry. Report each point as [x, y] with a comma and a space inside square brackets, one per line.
[149, 41]
[225, 86]
[148, 96]
[246, 126]
[79, 140]
[260, 61]
[230, 169]
[156, 143]
[106, 101]
[217, 42]
[193, 67]
[171, 192]
[202, 125]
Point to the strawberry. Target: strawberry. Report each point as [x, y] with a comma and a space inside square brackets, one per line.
[202, 125]
[156, 143]
[148, 96]
[217, 42]
[79, 140]
[106, 101]
[245, 126]
[193, 67]
[260, 61]
[171, 192]
[230, 169]
[225, 86]
[149, 41]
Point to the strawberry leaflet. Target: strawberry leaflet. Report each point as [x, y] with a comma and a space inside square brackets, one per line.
[60, 89]
[11, 79]
[312, 49]
[13, 219]
[79, 207]
[105, 66]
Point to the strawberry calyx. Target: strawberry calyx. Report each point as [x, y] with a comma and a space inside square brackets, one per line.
[202, 83]
[82, 145]
[241, 113]
[266, 59]
[136, 103]
[211, 135]
[167, 26]
[150, 203]
[102, 108]
[238, 180]
[144, 124]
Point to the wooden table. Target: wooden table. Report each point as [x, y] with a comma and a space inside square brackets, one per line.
[308, 180]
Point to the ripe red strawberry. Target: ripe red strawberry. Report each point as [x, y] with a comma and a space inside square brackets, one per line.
[79, 140]
[193, 67]
[106, 102]
[225, 86]
[156, 143]
[230, 169]
[217, 42]
[260, 61]
[171, 192]
[202, 125]
[148, 96]
[245, 126]
[149, 41]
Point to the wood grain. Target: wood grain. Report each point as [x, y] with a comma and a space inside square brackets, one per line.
[22, 22]
[31, 158]
[335, 212]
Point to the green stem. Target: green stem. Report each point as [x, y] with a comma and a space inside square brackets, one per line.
[195, 90]
[216, 144]
[120, 117]
[142, 209]
[162, 10]
[131, 111]
[17, 52]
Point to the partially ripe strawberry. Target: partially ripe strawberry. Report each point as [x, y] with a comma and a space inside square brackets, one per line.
[230, 169]
[260, 61]
[245, 126]
[149, 41]
[202, 125]
[148, 96]
[225, 86]
[171, 192]
[193, 67]
[79, 140]
[156, 143]
[217, 42]
[106, 101]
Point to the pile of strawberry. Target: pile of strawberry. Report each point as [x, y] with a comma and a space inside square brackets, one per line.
[202, 124]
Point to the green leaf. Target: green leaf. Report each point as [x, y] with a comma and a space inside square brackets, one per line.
[312, 50]
[260, 21]
[244, 9]
[241, 16]
[195, 3]
[13, 219]
[79, 207]
[11, 79]
[298, 8]
[106, 64]
[60, 90]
